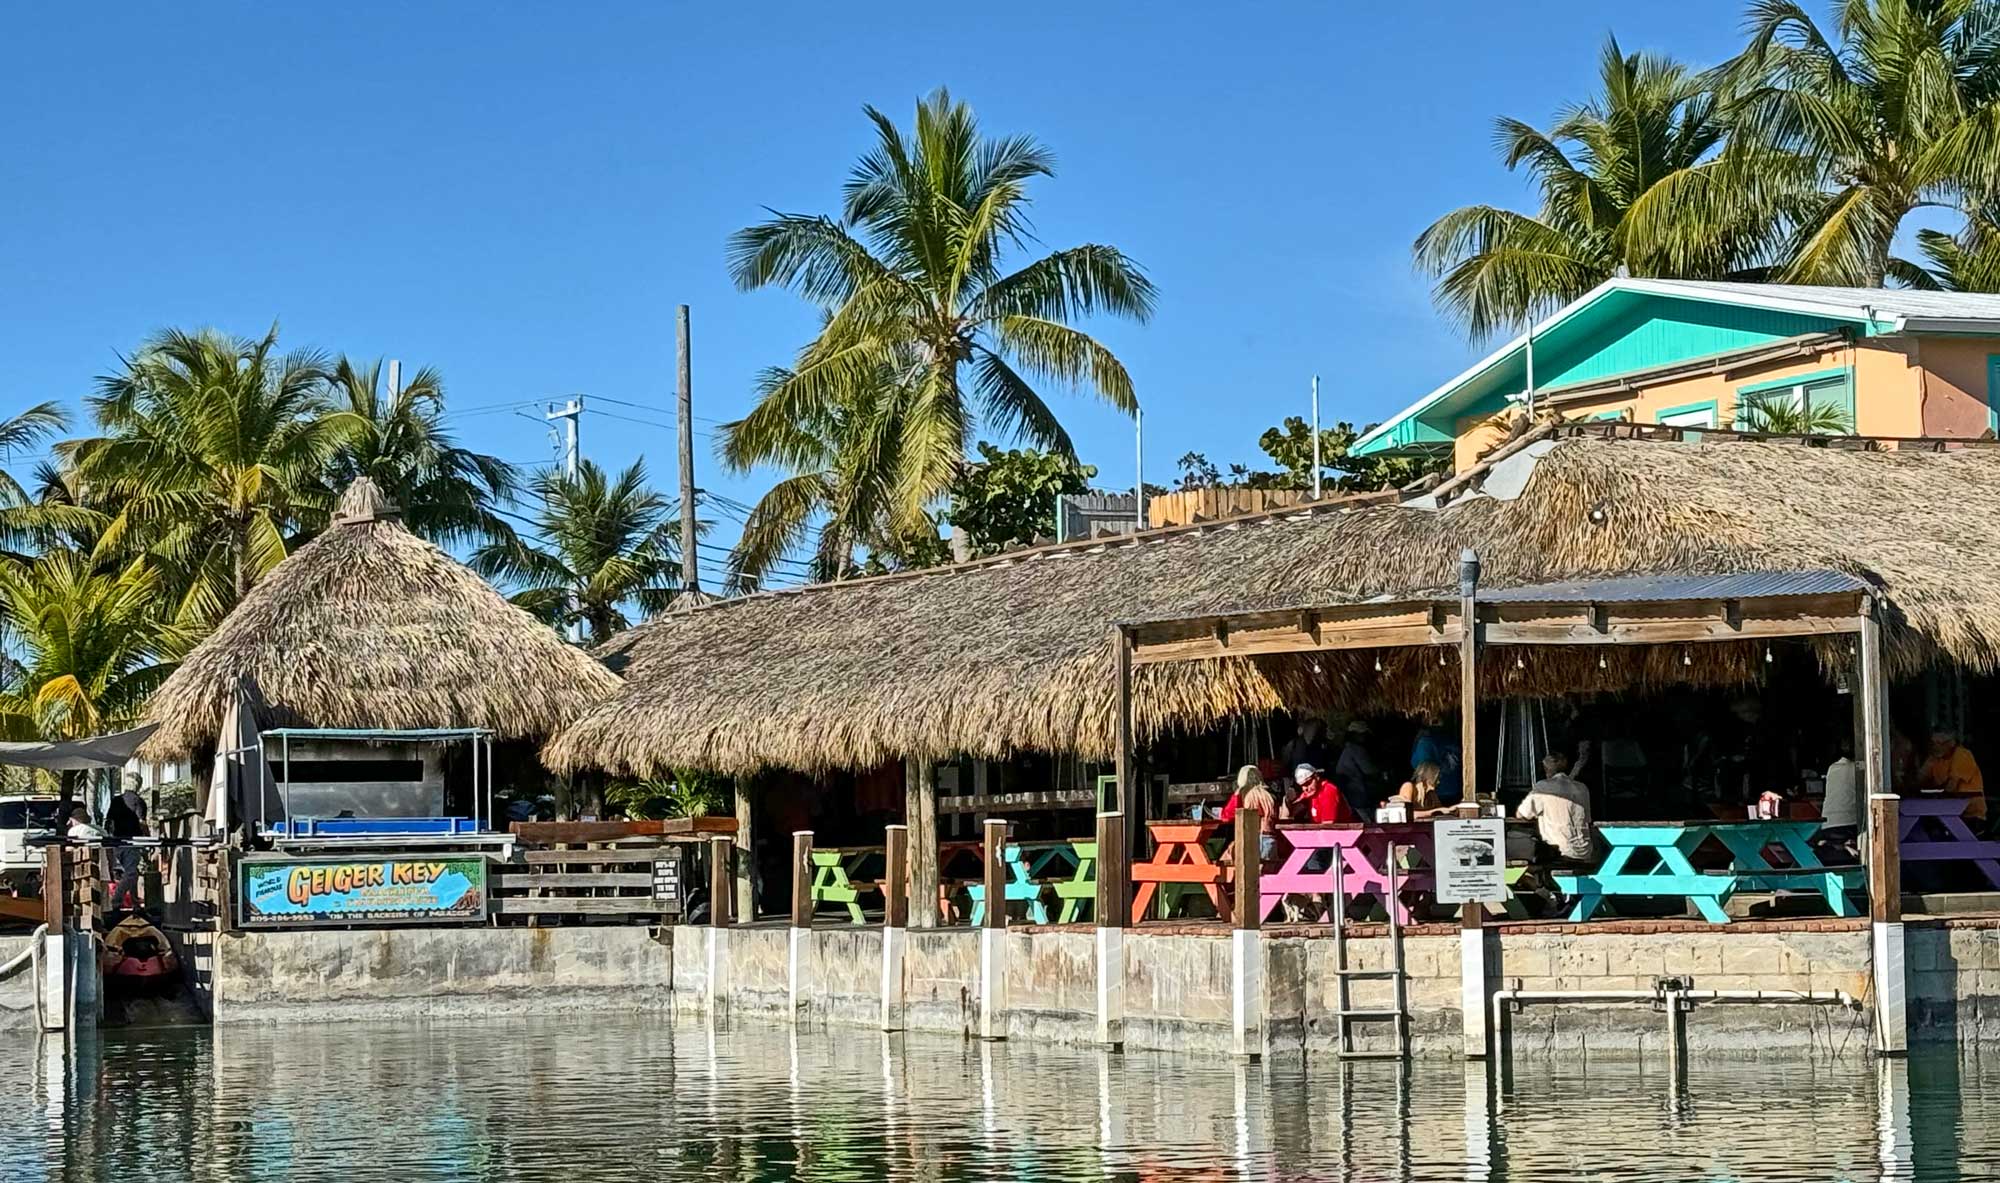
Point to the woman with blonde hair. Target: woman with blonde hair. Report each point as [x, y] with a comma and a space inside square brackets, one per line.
[1251, 794]
[1421, 791]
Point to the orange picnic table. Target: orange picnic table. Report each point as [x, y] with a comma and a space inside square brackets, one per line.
[1181, 862]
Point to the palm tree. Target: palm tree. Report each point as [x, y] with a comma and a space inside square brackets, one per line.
[447, 493]
[1899, 110]
[1968, 261]
[28, 521]
[1779, 415]
[843, 483]
[92, 645]
[606, 543]
[1633, 181]
[212, 458]
[912, 280]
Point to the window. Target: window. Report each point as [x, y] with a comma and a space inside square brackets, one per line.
[1811, 404]
[327, 772]
[1698, 415]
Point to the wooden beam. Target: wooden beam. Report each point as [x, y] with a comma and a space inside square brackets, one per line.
[745, 862]
[920, 813]
[721, 899]
[1660, 632]
[1114, 898]
[1247, 906]
[553, 833]
[802, 877]
[1885, 860]
[994, 872]
[1128, 805]
[896, 877]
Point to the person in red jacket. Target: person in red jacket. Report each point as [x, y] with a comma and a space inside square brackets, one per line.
[1318, 799]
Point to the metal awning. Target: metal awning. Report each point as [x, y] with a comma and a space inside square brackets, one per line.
[385, 734]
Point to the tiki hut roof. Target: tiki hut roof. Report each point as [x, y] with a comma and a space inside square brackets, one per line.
[1014, 653]
[370, 626]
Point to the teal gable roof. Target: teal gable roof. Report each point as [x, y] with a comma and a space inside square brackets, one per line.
[1621, 327]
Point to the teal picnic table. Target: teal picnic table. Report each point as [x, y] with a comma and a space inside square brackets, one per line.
[1030, 867]
[1672, 873]
[834, 882]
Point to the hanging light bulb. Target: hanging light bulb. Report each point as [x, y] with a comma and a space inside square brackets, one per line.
[1687, 657]
[1378, 663]
[1519, 664]
[1601, 663]
[1315, 665]
[1767, 655]
[1440, 657]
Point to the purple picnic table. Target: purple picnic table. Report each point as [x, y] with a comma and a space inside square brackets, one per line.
[1363, 851]
[1932, 829]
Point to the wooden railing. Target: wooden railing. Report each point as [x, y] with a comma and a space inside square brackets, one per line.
[616, 883]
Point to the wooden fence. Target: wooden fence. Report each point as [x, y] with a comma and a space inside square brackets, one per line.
[619, 884]
[1187, 507]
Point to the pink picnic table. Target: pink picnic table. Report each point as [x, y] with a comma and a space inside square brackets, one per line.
[1363, 854]
[1932, 829]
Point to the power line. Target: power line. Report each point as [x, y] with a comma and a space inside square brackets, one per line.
[603, 398]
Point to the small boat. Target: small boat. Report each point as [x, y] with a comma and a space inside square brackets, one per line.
[138, 960]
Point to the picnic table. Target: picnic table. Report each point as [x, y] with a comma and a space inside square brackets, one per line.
[1932, 829]
[834, 882]
[1362, 850]
[1672, 872]
[1031, 867]
[1181, 863]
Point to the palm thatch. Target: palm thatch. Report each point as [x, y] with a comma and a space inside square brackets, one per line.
[1012, 654]
[371, 626]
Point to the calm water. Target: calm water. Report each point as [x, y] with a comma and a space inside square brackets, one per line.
[629, 1098]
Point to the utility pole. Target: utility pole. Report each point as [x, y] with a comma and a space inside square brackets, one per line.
[395, 378]
[1138, 470]
[1315, 437]
[571, 413]
[690, 553]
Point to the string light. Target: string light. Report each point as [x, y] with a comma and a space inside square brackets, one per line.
[1687, 657]
[1378, 664]
[1601, 663]
[1440, 657]
[1519, 664]
[1767, 655]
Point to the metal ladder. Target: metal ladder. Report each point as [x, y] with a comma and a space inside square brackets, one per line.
[1345, 1013]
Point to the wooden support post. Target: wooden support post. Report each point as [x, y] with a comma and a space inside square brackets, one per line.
[920, 814]
[1113, 911]
[1473, 990]
[721, 914]
[1129, 801]
[1246, 947]
[55, 887]
[895, 919]
[746, 854]
[1885, 866]
[802, 912]
[993, 934]
[721, 882]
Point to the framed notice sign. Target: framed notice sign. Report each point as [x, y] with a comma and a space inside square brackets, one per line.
[403, 889]
[667, 879]
[1470, 857]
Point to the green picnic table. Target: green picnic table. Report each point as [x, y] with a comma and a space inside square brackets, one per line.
[1031, 866]
[833, 882]
[1673, 873]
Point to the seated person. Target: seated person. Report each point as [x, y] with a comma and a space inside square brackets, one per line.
[1951, 770]
[1560, 808]
[1421, 792]
[1251, 794]
[1840, 809]
[1318, 799]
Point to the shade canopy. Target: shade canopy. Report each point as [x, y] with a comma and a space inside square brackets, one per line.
[72, 755]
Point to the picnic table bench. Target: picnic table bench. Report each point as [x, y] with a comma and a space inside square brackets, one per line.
[1363, 852]
[1932, 829]
[1672, 872]
[1029, 873]
[1181, 864]
[834, 877]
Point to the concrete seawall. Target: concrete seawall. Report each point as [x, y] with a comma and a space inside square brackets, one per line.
[1179, 983]
[17, 991]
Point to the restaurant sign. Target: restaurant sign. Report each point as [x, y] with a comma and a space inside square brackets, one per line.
[298, 893]
[1470, 858]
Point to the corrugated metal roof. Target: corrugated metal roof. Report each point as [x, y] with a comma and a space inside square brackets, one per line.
[1649, 589]
[1883, 302]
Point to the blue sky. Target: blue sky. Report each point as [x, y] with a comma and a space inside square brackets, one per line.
[519, 195]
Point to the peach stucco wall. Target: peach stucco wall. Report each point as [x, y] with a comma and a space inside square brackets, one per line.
[1954, 392]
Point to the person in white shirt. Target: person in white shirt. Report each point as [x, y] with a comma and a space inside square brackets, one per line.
[1840, 809]
[80, 829]
[1560, 808]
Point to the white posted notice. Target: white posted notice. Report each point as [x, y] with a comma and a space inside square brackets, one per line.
[1470, 855]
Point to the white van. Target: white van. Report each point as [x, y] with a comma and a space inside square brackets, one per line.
[20, 863]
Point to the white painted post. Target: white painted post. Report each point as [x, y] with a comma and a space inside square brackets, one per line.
[1246, 938]
[993, 934]
[55, 981]
[802, 908]
[1113, 913]
[895, 922]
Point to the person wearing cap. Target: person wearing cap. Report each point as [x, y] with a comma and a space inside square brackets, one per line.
[1319, 799]
[1357, 773]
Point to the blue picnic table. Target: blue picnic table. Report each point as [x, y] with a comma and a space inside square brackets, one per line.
[1672, 872]
[1029, 867]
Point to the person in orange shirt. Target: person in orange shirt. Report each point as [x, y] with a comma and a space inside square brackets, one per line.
[1952, 770]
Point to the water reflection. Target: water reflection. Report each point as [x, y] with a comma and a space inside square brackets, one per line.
[580, 1100]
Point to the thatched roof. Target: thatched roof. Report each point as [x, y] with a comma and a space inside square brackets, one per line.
[370, 626]
[1011, 654]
